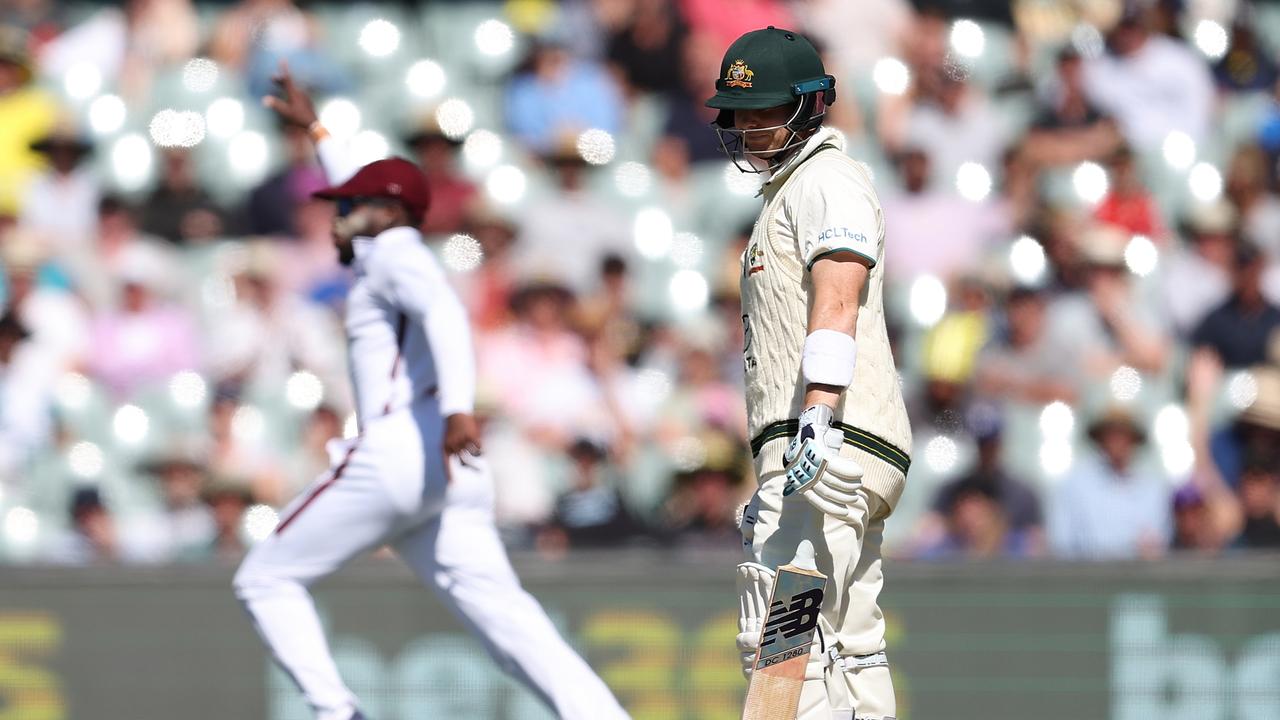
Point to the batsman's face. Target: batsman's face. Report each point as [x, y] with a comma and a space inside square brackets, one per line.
[764, 130]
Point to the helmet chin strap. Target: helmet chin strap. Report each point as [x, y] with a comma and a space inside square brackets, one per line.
[736, 146]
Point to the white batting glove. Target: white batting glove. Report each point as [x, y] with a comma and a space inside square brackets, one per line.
[816, 471]
[755, 585]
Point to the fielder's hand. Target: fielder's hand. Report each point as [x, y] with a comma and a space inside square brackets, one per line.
[293, 106]
[815, 468]
[461, 434]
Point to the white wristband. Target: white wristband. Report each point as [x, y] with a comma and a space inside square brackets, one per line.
[829, 358]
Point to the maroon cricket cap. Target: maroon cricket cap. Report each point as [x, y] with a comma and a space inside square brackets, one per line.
[392, 178]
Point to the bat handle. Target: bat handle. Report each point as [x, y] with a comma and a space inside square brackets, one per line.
[805, 556]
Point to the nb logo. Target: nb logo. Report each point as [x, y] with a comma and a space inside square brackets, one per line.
[798, 619]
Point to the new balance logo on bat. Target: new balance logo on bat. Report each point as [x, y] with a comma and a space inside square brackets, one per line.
[798, 619]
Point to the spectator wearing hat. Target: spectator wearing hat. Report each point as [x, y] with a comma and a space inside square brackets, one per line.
[451, 192]
[537, 366]
[1241, 329]
[227, 501]
[1110, 324]
[1106, 506]
[61, 203]
[1254, 433]
[1236, 466]
[145, 338]
[27, 114]
[1059, 229]
[701, 511]
[182, 529]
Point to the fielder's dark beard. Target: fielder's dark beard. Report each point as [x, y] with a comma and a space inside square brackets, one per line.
[346, 253]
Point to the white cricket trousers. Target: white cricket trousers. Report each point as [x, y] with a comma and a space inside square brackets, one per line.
[383, 489]
[848, 553]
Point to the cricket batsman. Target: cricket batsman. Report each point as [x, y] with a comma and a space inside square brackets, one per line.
[413, 478]
[824, 406]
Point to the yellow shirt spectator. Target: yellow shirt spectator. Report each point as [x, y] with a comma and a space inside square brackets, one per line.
[26, 114]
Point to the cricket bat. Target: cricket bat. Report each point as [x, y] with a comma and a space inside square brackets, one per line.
[785, 639]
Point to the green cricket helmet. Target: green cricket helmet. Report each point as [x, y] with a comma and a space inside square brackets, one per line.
[764, 69]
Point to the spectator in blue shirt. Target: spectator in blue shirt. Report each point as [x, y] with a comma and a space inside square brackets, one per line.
[558, 96]
[1106, 507]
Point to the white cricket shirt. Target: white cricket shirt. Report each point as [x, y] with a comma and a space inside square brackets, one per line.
[407, 333]
[818, 203]
[408, 337]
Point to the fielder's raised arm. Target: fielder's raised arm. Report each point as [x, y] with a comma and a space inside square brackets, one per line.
[295, 107]
[410, 277]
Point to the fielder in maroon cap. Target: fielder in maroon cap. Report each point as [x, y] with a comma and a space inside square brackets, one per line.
[413, 477]
[381, 195]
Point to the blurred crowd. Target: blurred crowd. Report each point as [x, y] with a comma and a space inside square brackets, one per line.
[1082, 256]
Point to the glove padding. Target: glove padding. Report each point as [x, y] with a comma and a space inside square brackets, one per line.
[755, 586]
[815, 469]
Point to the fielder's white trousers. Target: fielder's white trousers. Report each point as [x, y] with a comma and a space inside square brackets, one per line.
[384, 488]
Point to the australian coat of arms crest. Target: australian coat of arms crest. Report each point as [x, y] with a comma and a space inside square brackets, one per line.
[738, 75]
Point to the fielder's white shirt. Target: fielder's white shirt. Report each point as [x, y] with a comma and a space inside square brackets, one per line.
[407, 333]
[408, 337]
